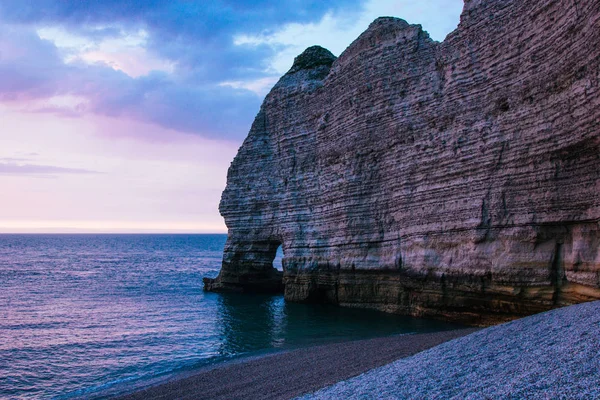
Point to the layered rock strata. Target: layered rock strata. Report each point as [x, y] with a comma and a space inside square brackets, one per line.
[457, 180]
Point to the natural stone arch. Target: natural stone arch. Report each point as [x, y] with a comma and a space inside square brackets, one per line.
[446, 147]
[248, 267]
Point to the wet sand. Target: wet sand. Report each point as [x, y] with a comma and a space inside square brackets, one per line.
[289, 374]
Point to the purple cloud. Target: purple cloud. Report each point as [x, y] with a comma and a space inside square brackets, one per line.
[196, 36]
[9, 168]
[29, 66]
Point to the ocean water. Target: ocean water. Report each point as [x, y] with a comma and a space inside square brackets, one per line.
[94, 315]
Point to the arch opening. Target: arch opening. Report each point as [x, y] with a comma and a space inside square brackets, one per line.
[278, 260]
[273, 265]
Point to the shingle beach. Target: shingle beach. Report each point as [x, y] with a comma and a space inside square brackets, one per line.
[293, 373]
[553, 355]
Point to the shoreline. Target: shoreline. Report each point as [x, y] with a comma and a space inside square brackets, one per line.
[292, 373]
[551, 355]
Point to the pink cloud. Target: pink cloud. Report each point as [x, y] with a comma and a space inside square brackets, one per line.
[172, 185]
[34, 73]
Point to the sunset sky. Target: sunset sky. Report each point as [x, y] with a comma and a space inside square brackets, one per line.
[123, 116]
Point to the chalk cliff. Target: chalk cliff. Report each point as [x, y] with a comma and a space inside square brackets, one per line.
[456, 180]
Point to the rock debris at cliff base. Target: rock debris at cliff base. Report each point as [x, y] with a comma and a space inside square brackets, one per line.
[456, 180]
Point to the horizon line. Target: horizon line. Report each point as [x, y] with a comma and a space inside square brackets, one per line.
[113, 233]
[75, 231]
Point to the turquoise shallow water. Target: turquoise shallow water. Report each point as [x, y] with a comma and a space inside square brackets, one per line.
[83, 314]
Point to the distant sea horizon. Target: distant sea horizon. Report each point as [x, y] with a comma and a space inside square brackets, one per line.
[95, 314]
[76, 231]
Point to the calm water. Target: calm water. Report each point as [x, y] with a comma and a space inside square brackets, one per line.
[87, 315]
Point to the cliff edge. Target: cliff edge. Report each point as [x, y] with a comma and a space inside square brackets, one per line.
[456, 180]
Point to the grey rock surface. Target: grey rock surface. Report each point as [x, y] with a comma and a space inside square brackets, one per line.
[457, 180]
[553, 355]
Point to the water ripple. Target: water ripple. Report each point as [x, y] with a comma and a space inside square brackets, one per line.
[82, 314]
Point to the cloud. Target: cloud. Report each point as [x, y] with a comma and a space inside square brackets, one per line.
[171, 18]
[9, 167]
[170, 180]
[200, 67]
[335, 32]
[194, 35]
[34, 77]
[13, 160]
[159, 61]
[29, 67]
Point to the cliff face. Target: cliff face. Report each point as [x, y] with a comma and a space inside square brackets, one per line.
[458, 180]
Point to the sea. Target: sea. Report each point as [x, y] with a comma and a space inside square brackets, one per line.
[93, 316]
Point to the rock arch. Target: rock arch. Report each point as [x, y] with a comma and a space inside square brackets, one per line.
[248, 267]
[457, 180]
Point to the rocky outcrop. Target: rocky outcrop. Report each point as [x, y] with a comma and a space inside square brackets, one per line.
[458, 180]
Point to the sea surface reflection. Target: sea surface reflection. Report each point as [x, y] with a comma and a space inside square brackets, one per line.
[92, 315]
[256, 323]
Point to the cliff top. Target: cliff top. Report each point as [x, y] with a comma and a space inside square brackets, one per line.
[312, 57]
[384, 20]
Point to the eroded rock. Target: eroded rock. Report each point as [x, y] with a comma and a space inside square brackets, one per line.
[458, 180]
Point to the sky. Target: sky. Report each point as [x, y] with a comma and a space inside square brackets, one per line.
[123, 115]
